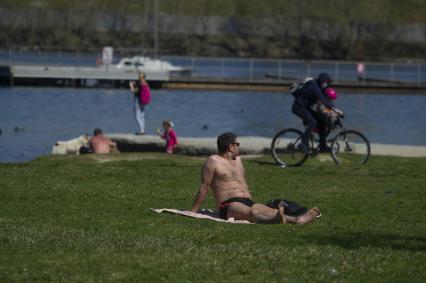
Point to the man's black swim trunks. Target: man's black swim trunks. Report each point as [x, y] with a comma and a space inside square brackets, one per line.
[223, 207]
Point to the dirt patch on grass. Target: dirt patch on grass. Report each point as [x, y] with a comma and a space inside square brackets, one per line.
[123, 157]
[324, 158]
[102, 158]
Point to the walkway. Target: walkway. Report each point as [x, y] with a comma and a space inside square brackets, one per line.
[249, 145]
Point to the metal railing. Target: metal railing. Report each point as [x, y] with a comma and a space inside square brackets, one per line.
[242, 68]
[287, 69]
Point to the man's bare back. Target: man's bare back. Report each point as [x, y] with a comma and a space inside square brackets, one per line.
[101, 144]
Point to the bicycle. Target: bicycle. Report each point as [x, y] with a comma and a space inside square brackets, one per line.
[347, 146]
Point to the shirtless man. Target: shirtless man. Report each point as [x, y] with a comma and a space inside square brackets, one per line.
[101, 144]
[224, 175]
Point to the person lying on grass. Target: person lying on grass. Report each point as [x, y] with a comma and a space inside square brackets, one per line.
[224, 175]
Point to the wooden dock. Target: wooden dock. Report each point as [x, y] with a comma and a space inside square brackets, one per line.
[78, 76]
[273, 85]
[110, 77]
[251, 146]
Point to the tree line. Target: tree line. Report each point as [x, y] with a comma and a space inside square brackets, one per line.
[324, 29]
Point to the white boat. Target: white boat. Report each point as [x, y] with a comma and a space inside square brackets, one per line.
[148, 65]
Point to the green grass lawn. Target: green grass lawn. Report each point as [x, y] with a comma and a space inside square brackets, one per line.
[87, 219]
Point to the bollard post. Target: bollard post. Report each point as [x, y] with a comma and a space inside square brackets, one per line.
[251, 69]
[419, 74]
[336, 72]
[280, 69]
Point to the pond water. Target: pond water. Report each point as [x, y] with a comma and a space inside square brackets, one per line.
[33, 119]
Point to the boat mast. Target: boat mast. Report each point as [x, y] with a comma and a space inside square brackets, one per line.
[155, 28]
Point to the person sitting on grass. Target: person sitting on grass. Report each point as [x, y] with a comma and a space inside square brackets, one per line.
[101, 144]
[224, 175]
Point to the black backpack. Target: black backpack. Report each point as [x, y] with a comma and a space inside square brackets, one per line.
[291, 208]
[296, 88]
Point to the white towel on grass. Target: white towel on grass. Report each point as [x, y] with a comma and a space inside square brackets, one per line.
[201, 214]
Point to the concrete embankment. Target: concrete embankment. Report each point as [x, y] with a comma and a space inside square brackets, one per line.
[249, 145]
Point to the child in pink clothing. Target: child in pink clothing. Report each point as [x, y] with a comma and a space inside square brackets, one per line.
[169, 135]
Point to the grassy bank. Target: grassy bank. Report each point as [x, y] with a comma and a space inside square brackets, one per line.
[87, 219]
[328, 29]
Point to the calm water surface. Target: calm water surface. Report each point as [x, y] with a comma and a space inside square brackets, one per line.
[32, 119]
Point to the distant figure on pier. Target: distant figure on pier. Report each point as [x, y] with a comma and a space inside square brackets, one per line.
[101, 144]
[169, 135]
[360, 69]
[141, 98]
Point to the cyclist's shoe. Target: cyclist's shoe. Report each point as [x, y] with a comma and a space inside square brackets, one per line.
[302, 147]
[324, 149]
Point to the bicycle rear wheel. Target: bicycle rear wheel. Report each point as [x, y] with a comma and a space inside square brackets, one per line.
[349, 148]
[284, 148]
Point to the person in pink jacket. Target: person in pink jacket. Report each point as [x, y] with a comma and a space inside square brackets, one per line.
[141, 99]
[169, 135]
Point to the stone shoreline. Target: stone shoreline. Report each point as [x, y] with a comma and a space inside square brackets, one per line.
[249, 146]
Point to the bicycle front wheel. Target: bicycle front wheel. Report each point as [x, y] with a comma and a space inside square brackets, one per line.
[284, 148]
[349, 148]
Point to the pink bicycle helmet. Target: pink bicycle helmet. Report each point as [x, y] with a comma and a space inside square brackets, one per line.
[331, 93]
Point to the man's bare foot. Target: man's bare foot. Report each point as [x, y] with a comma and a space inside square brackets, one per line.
[308, 216]
[281, 212]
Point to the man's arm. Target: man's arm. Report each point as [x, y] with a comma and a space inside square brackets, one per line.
[111, 143]
[91, 143]
[206, 180]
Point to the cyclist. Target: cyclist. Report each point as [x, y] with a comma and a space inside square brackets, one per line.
[308, 98]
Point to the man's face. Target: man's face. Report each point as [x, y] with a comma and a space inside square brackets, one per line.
[234, 148]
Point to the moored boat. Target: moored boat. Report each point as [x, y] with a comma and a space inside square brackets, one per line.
[148, 65]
